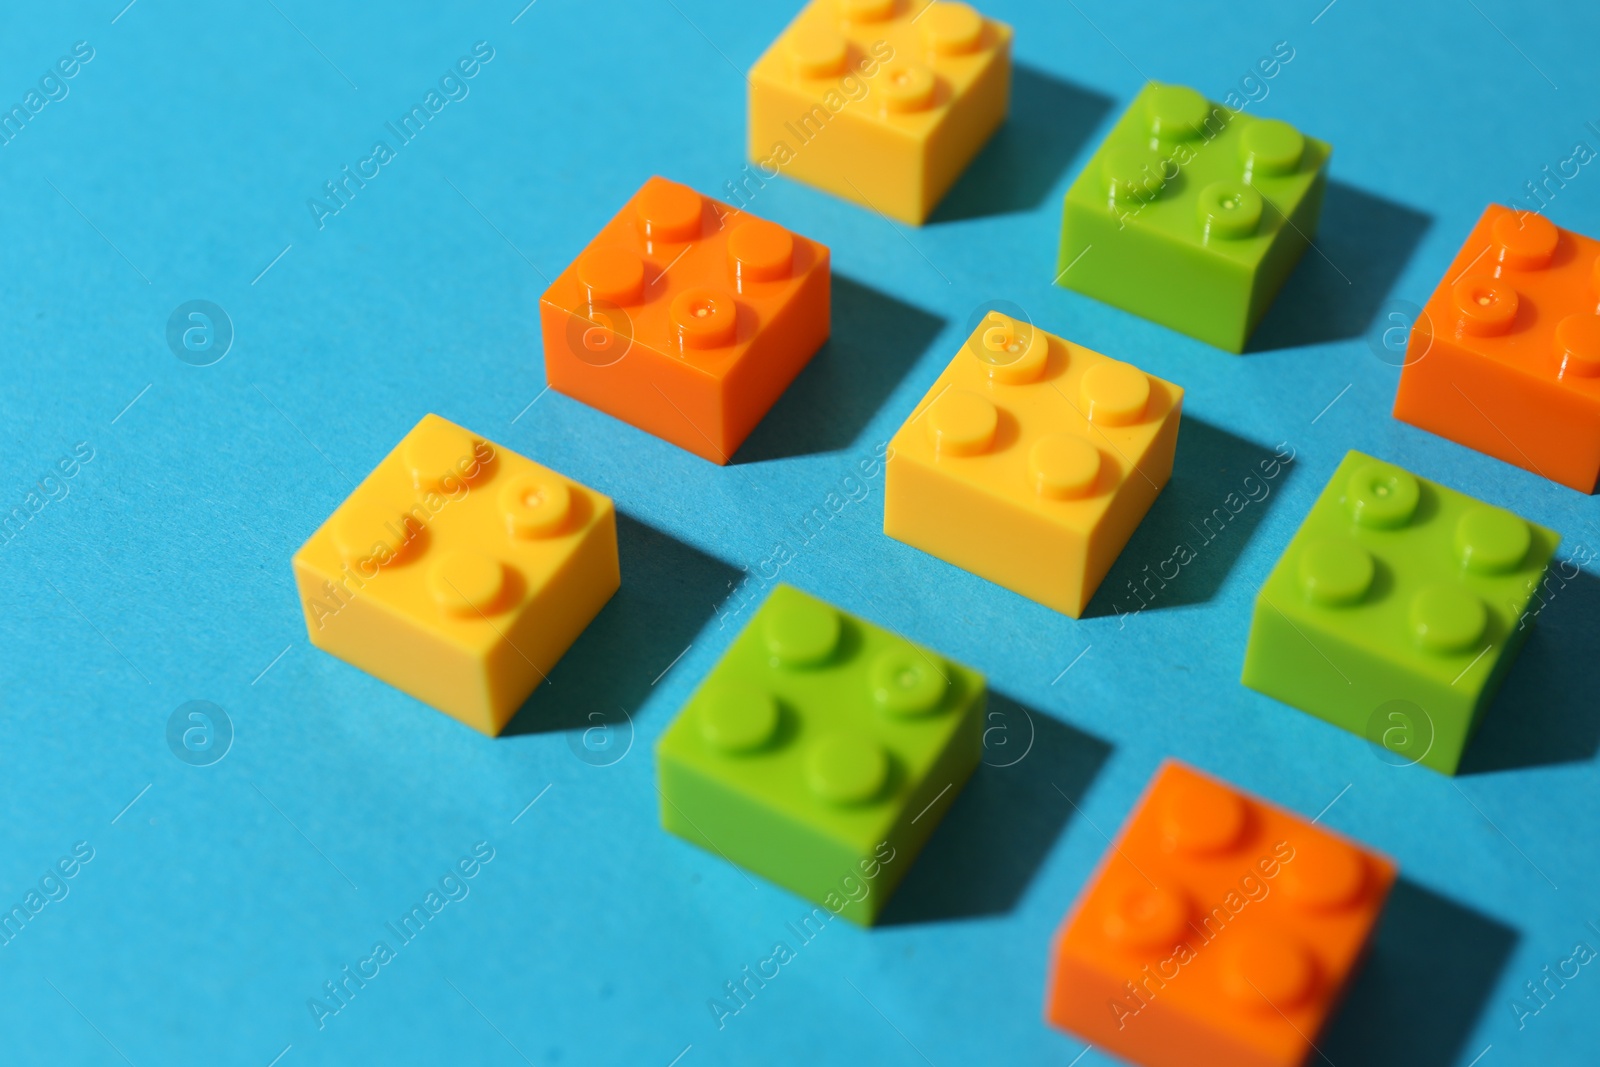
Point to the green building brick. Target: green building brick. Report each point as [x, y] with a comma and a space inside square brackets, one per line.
[1192, 215]
[1397, 609]
[821, 752]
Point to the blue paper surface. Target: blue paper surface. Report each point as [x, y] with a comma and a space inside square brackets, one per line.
[176, 164]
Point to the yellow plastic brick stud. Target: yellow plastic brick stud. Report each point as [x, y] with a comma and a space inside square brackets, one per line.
[882, 102]
[459, 572]
[1030, 461]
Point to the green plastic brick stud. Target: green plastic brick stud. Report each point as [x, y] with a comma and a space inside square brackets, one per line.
[821, 752]
[1396, 610]
[1192, 215]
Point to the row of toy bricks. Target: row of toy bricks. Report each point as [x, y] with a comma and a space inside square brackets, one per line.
[1219, 204]
[688, 319]
[1030, 462]
[456, 545]
[885, 103]
[823, 751]
[1395, 611]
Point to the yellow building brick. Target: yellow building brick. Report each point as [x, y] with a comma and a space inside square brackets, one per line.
[1030, 461]
[459, 572]
[882, 102]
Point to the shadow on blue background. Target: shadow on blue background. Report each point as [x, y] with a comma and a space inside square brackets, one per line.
[1049, 124]
[1432, 967]
[1362, 245]
[1546, 711]
[985, 852]
[1193, 509]
[668, 592]
[875, 339]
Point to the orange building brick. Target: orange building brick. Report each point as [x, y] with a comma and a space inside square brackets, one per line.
[1030, 461]
[1219, 931]
[686, 318]
[1506, 356]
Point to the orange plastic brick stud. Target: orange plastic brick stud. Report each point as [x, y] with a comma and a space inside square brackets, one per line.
[1506, 356]
[686, 318]
[459, 572]
[1219, 931]
[1030, 461]
[882, 102]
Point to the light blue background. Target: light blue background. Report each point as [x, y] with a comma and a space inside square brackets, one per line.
[179, 166]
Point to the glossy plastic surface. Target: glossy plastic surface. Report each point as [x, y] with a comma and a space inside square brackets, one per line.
[1031, 460]
[882, 102]
[1219, 931]
[459, 572]
[1506, 356]
[821, 752]
[1192, 215]
[1397, 609]
[686, 318]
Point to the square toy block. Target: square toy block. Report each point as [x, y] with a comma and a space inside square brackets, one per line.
[820, 753]
[1219, 931]
[1397, 609]
[686, 318]
[1030, 461]
[1193, 215]
[1506, 356]
[881, 102]
[459, 572]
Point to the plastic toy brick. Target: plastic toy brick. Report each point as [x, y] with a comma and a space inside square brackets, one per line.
[1192, 215]
[686, 318]
[459, 572]
[1506, 356]
[821, 752]
[1030, 461]
[1397, 610]
[1219, 931]
[882, 102]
